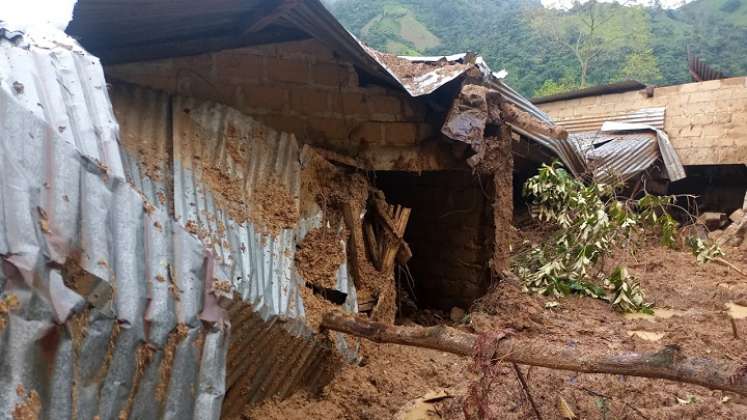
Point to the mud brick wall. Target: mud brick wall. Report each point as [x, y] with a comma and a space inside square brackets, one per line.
[706, 122]
[299, 87]
[451, 233]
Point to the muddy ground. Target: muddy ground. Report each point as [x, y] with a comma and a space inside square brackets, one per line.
[691, 300]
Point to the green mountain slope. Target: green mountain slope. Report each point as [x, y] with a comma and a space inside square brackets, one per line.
[500, 30]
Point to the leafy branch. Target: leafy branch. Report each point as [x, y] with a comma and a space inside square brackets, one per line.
[590, 224]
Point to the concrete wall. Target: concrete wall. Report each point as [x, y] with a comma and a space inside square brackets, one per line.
[299, 87]
[707, 121]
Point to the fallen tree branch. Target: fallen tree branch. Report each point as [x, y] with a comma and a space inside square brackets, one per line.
[727, 264]
[668, 363]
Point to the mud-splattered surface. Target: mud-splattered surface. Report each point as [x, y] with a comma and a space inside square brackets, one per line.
[319, 256]
[29, 405]
[8, 303]
[691, 299]
[270, 207]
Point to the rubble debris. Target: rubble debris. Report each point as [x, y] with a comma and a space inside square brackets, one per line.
[736, 311]
[646, 335]
[468, 115]
[565, 409]
[423, 408]
[478, 106]
[384, 233]
[712, 220]
[734, 234]
[737, 216]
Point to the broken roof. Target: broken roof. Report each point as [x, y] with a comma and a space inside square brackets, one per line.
[117, 32]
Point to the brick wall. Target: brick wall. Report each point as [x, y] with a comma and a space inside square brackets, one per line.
[299, 87]
[706, 122]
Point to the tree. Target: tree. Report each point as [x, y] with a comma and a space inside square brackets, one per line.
[593, 32]
[642, 66]
[552, 87]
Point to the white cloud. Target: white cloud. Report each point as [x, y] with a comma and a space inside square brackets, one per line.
[566, 4]
[58, 13]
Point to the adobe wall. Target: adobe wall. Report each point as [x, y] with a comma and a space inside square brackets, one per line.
[706, 122]
[299, 87]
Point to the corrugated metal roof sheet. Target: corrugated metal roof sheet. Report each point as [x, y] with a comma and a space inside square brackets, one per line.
[700, 71]
[653, 117]
[616, 157]
[622, 150]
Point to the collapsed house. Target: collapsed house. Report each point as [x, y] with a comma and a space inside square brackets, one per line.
[705, 125]
[175, 222]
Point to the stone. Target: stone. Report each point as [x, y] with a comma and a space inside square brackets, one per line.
[737, 216]
[712, 220]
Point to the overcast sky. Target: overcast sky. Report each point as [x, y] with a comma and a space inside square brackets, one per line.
[33, 12]
[60, 12]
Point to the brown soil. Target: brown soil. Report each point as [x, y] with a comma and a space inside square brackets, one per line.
[329, 187]
[319, 256]
[408, 70]
[315, 307]
[273, 208]
[389, 378]
[269, 205]
[696, 294]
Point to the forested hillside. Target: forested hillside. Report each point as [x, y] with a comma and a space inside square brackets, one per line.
[546, 51]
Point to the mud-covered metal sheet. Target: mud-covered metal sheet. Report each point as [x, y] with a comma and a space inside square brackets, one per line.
[110, 292]
[209, 165]
[230, 180]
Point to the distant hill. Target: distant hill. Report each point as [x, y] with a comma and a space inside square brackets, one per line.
[715, 30]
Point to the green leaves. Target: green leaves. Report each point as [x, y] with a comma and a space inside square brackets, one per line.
[627, 294]
[590, 224]
[704, 252]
